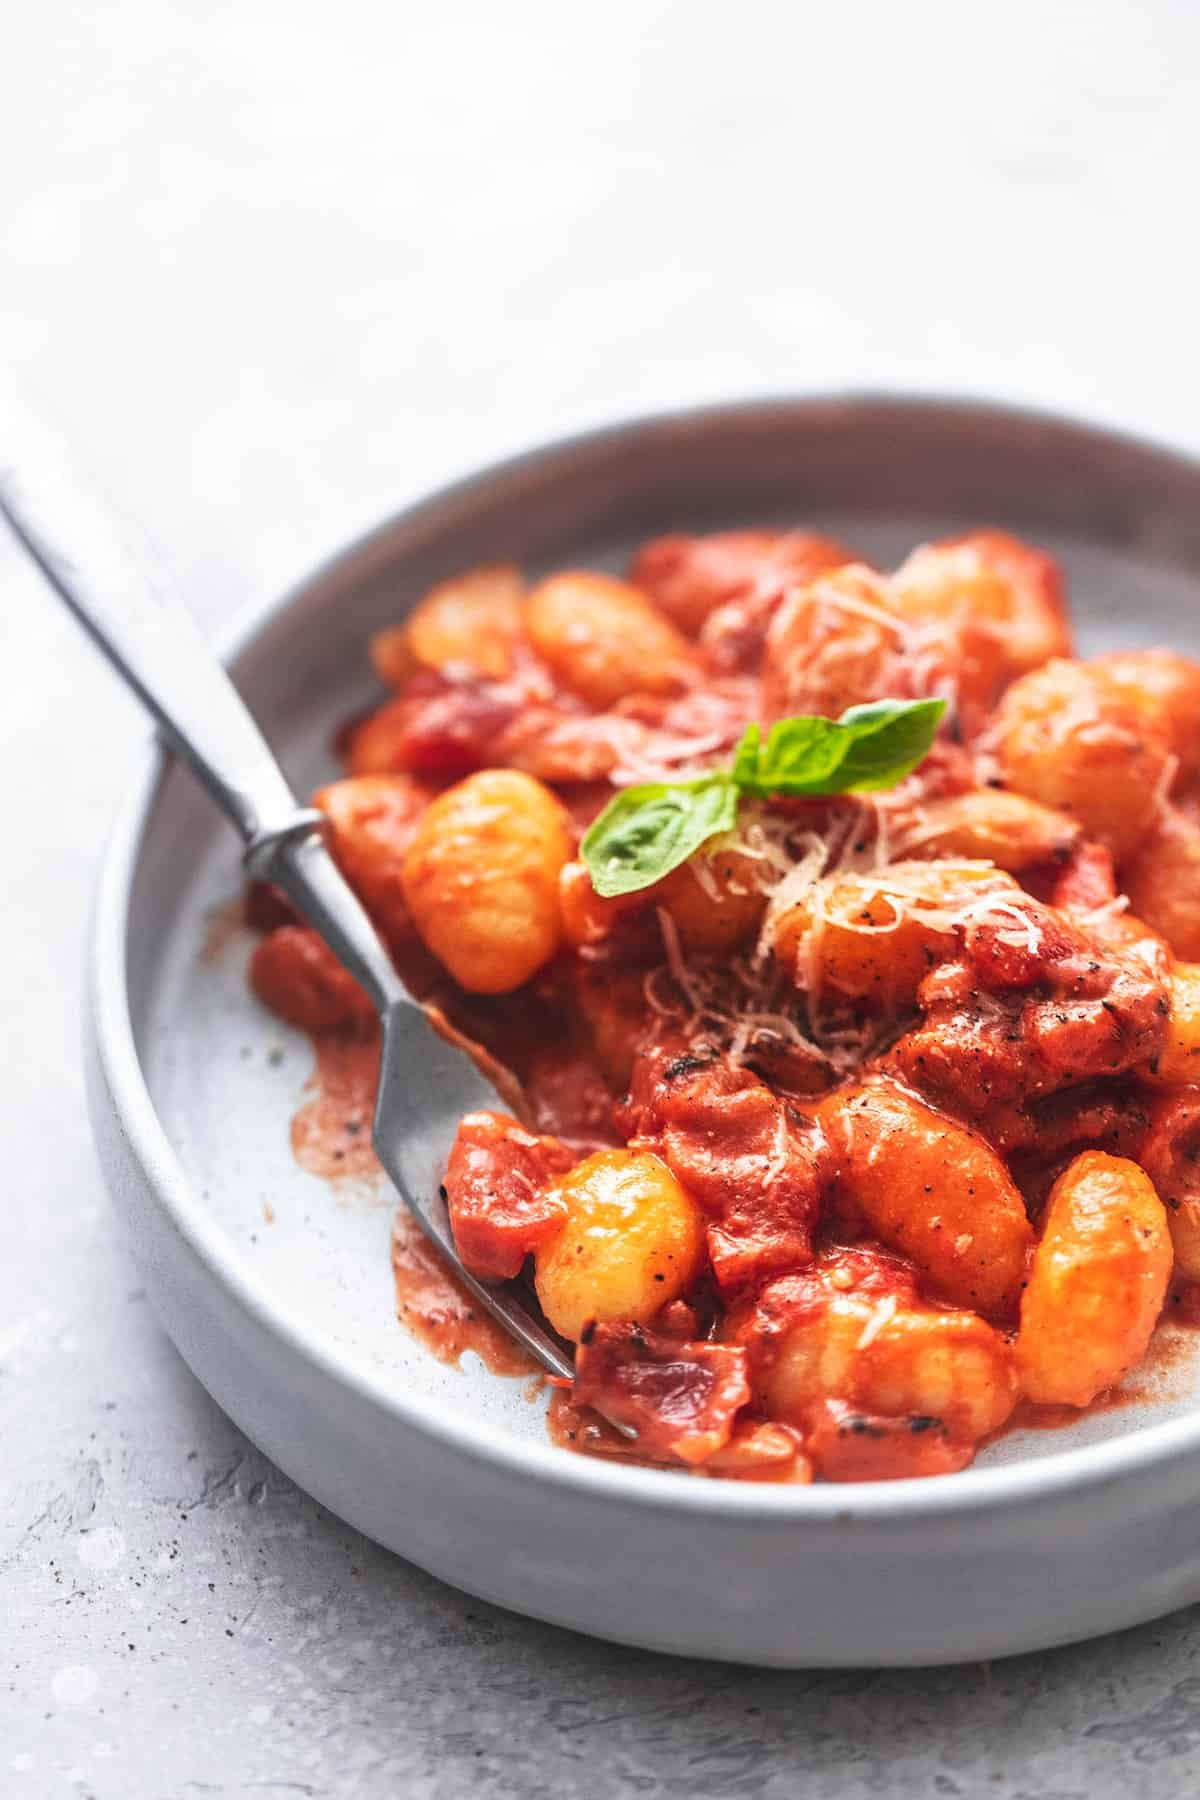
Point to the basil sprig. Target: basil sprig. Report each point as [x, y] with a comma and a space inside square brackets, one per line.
[645, 832]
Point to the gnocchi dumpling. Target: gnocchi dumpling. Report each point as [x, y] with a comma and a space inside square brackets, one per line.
[604, 640]
[1097, 1281]
[1067, 735]
[632, 1241]
[931, 1189]
[472, 622]
[481, 875]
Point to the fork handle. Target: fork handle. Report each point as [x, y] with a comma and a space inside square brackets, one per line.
[157, 649]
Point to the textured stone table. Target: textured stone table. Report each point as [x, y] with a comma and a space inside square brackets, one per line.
[282, 267]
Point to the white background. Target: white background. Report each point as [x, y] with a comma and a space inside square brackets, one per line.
[279, 267]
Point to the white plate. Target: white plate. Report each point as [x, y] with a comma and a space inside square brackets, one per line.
[290, 1324]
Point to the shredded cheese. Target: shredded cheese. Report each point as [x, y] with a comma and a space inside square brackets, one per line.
[841, 876]
[1109, 909]
[646, 756]
[828, 595]
[880, 1317]
[1164, 784]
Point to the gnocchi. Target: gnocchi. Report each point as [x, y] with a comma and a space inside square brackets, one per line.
[1178, 1062]
[480, 879]
[1163, 688]
[1162, 879]
[604, 640]
[1097, 1281]
[855, 1329]
[1014, 592]
[473, 622]
[932, 1190]
[714, 902]
[873, 937]
[1066, 735]
[1170, 1156]
[631, 1242]
[990, 825]
[832, 645]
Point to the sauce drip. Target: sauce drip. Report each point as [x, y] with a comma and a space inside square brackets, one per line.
[577, 1428]
[440, 1313]
[331, 1134]
[223, 927]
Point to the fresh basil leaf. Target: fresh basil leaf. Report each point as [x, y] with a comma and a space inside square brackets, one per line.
[870, 746]
[797, 752]
[645, 832]
[745, 758]
[888, 739]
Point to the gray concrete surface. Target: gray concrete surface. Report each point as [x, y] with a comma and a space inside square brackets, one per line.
[281, 267]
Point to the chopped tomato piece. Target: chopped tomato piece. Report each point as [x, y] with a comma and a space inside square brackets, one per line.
[1033, 1003]
[296, 974]
[748, 1159]
[1088, 880]
[731, 581]
[496, 1190]
[372, 822]
[438, 726]
[680, 1398]
[267, 906]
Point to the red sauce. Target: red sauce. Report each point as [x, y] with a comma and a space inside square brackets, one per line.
[1183, 1305]
[439, 1311]
[569, 1098]
[223, 926]
[331, 1137]
[574, 1427]
[331, 1134]
[1030, 1415]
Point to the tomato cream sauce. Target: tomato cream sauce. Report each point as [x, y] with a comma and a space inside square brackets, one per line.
[331, 1138]
[224, 926]
[440, 1313]
[331, 1133]
[577, 1428]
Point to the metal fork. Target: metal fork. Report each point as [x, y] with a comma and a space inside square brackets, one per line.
[425, 1083]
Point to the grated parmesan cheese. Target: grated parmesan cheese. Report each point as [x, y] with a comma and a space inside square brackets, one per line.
[753, 1005]
[880, 1317]
[1164, 784]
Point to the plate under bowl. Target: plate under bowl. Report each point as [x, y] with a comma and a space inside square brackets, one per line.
[277, 1289]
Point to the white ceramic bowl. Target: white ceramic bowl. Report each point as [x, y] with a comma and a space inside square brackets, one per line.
[290, 1324]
